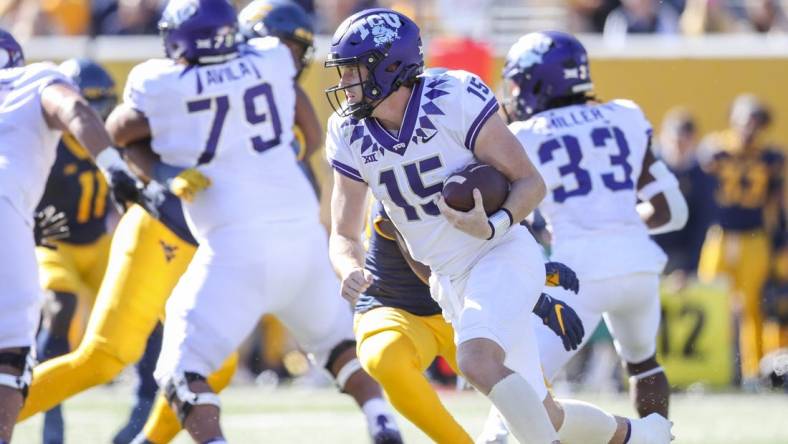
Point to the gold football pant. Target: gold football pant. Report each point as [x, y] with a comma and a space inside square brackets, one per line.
[75, 269]
[146, 260]
[395, 348]
[743, 259]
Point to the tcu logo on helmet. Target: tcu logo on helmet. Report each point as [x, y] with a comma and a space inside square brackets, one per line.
[383, 27]
[180, 10]
[531, 48]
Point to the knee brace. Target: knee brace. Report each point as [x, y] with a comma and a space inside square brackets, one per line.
[642, 370]
[22, 361]
[347, 370]
[177, 389]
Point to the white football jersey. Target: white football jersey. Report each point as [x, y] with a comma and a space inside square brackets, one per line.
[591, 157]
[445, 112]
[28, 146]
[233, 121]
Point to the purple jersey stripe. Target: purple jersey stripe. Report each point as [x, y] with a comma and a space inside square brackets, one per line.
[489, 109]
[347, 170]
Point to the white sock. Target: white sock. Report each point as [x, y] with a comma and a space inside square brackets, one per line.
[586, 423]
[379, 415]
[524, 411]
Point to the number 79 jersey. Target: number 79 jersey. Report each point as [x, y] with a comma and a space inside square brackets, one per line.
[591, 157]
[233, 121]
[444, 115]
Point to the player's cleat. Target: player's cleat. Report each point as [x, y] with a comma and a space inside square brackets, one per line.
[494, 431]
[53, 426]
[139, 414]
[653, 429]
[387, 436]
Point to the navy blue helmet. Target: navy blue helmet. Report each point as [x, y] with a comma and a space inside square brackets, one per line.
[10, 51]
[199, 31]
[545, 66]
[280, 18]
[94, 82]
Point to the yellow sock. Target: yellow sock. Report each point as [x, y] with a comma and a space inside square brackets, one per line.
[162, 425]
[392, 359]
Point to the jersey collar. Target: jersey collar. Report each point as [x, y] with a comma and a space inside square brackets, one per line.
[400, 143]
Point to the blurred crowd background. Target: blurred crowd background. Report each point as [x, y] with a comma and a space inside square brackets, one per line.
[725, 305]
[614, 18]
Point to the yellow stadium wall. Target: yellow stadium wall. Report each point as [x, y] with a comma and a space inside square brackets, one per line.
[705, 86]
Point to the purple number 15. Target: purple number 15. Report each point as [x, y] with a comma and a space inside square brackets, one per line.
[253, 116]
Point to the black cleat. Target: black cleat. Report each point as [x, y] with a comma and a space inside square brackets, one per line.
[387, 436]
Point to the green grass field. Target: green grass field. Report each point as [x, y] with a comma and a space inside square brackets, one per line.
[257, 415]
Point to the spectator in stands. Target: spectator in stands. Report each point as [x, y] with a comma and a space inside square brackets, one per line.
[709, 16]
[331, 13]
[124, 17]
[26, 18]
[641, 17]
[678, 144]
[766, 16]
[589, 15]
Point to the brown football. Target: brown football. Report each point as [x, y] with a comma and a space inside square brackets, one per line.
[458, 188]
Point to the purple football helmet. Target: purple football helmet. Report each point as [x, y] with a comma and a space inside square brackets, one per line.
[545, 66]
[387, 44]
[200, 31]
[10, 51]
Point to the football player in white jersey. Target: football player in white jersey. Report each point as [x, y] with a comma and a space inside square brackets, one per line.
[597, 163]
[220, 116]
[400, 133]
[37, 103]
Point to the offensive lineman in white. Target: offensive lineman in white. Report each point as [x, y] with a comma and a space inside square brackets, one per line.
[400, 133]
[220, 116]
[37, 103]
[597, 162]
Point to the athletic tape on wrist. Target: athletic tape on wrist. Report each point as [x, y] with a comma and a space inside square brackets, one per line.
[500, 222]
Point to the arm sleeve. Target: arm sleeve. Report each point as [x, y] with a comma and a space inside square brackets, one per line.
[137, 89]
[338, 152]
[478, 103]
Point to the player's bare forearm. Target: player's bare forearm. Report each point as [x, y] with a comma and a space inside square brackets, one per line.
[306, 119]
[498, 147]
[346, 253]
[525, 195]
[348, 202]
[141, 159]
[126, 125]
[660, 213]
[65, 109]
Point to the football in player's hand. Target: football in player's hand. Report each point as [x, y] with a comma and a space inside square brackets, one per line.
[458, 188]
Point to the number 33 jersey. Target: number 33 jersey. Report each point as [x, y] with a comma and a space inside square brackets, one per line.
[591, 157]
[444, 115]
[233, 121]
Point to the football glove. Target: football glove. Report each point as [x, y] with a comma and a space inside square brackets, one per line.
[188, 183]
[559, 275]
[50, 225]
[125, 188]
[184, 183]
[562, 319]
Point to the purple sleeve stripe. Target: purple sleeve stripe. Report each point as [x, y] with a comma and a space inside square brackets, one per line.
[346, 170]
[489, 109]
